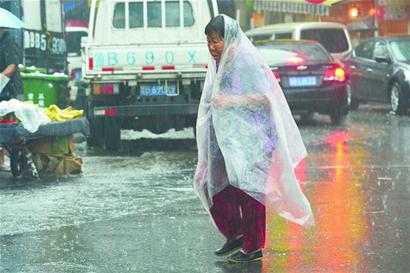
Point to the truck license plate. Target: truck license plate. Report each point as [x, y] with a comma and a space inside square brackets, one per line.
[153, 89]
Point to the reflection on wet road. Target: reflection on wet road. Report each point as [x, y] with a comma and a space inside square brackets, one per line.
[136, 212]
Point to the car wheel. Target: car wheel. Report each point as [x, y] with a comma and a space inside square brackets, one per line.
[397, 101]
[306, 117]
[338, 116]
[352, 102]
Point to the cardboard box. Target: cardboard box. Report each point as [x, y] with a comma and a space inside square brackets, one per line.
[53, 145]
[60, 165]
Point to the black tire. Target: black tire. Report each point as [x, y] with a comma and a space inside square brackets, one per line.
[338, 116]
[112, 134]
[194, 130]
[397, 100]
[352, 102]
[18, 162]
[96, 137]
[306, 117]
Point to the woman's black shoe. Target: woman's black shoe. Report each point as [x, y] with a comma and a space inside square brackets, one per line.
[240, 257]
[229, 247]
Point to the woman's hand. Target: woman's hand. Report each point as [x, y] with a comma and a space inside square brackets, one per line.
[247, 101]
[219, 101]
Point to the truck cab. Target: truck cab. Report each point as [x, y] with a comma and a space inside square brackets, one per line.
[146, 63]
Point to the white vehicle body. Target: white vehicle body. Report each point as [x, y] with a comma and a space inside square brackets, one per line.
[77, 88]
[146, 62]
[73, 40]
[333, 36]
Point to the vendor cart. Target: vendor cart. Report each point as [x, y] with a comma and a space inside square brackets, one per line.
[17, 142]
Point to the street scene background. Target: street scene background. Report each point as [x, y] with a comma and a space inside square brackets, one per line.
[133, 208]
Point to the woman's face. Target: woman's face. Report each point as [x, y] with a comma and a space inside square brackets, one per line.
[215, 45]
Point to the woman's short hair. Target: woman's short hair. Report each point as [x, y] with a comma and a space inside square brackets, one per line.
[217, 25]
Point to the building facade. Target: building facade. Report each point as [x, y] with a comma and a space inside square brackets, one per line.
[364, 18]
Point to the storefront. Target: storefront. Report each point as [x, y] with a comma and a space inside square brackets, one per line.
[364, 18]
[368, 18]
[271, 12]
[394, 17]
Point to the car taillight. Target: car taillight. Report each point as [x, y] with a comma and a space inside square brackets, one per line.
[335, 74]
[277, 76]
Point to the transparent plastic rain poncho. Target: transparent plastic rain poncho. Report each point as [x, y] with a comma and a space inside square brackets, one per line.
[252, 142]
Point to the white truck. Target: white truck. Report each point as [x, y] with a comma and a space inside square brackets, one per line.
[146, 63]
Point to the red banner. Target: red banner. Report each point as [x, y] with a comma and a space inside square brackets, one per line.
[316, 1]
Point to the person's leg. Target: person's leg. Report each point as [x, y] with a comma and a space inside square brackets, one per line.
[253, 223]
[226, 214]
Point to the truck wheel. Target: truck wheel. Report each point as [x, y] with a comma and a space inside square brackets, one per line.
[112, 134]
[96, 137]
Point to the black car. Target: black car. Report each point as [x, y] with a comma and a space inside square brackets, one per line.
[379, 71]
[311, 79]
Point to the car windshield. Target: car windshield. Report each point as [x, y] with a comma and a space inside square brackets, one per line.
[333, 39]
[293, 53]
[401, 49]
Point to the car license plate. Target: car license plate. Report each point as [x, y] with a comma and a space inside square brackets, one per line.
[153, 89]
[302, 81]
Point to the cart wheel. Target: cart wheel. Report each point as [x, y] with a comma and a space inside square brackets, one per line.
[21, 164]
[18, 162]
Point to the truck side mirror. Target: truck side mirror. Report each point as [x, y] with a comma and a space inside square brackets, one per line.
[84, 40]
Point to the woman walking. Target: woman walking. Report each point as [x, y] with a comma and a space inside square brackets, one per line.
[248, 145]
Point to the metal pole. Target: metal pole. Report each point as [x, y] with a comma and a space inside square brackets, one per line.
[375, 23]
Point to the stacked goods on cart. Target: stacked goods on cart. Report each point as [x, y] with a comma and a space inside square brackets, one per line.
[41, 138]
[55, 154]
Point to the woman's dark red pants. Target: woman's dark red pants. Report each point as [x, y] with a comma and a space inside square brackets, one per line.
[235, 212]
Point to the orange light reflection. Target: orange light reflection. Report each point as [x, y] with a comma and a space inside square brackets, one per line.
[338, 205]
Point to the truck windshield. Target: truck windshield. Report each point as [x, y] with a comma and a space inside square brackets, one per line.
[73, 39]
[154, 14]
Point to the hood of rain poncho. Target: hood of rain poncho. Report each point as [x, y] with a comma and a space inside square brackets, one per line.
[254, 147]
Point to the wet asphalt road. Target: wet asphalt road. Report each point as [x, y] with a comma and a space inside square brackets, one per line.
[135, 211]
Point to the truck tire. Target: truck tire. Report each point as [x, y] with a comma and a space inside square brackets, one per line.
[96, 137]
[112, 134]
